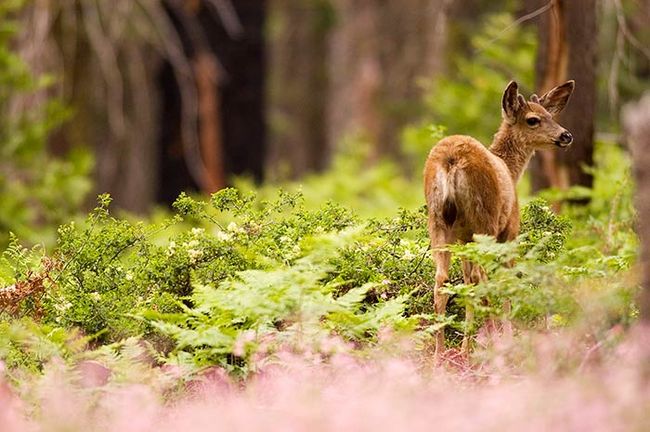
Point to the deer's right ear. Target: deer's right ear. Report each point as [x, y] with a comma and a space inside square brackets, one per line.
[510, 103]
[556, 99]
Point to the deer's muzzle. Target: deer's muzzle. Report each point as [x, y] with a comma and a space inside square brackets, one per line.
[564, 140]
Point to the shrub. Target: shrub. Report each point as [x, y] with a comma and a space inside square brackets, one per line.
[234, 278]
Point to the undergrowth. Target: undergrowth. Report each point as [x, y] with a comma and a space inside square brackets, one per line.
[233, 279]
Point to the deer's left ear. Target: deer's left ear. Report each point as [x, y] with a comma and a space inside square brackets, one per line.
[556, 99]
[510, 103]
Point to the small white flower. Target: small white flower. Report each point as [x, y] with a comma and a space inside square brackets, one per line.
[194, 255]
[95, 296]
[223, 236]
[192, 244]
[198, 231]
[232, 226]
[128, 276]
[62, 307]
[171, 249]
[408, 255]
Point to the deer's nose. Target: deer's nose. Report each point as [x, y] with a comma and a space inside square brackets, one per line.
[566, 138]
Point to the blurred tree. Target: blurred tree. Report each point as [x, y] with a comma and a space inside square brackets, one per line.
[627, 40]
[226, 49]
[380, 49]
[567, 50]
[37, 191]
[104, 57]
[299, 89]
[639, 28]
[636, 118]
[147, 80]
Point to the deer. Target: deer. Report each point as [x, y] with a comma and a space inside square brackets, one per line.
[470, 189]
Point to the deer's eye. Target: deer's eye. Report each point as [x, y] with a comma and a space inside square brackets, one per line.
[533, 121]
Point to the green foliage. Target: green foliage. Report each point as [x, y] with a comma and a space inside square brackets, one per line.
[238, 277]
[110, 268]
[543, 230]
[26, 346]
[36, 191]
[262, 311]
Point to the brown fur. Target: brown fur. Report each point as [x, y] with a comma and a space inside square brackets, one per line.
[471, 190]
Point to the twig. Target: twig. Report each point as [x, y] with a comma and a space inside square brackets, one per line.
[519, 21]
[229, 18]
[424, 254]
[622, 23]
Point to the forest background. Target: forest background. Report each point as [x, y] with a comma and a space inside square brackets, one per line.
[206, 199]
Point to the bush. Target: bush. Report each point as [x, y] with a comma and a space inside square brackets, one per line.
[235, 276]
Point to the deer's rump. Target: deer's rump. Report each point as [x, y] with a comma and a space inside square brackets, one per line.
[467, 188]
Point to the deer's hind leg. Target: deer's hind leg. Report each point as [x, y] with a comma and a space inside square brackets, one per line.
[440, 237]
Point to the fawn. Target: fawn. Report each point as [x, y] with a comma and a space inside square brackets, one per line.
[470, 189]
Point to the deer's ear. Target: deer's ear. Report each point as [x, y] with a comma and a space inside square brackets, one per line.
[510, 104]
[556, 99]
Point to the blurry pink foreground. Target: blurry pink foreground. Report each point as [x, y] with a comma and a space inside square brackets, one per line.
[342, 395]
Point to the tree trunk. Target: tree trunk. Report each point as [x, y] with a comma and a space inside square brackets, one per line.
[299, 86]
[229, 73]
[379, 50]
[243, 87]
[567, 50]
[636, 119]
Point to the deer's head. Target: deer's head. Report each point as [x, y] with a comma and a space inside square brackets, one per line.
[533, 121]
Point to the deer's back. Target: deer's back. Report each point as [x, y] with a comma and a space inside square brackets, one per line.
[468, 189]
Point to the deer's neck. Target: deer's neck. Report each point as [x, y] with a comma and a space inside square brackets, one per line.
[512, 149]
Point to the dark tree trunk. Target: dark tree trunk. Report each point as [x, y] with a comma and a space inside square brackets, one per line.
[567, 50]
[229, 73]
[242, 89]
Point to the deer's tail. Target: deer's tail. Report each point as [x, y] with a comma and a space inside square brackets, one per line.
[449, 184]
